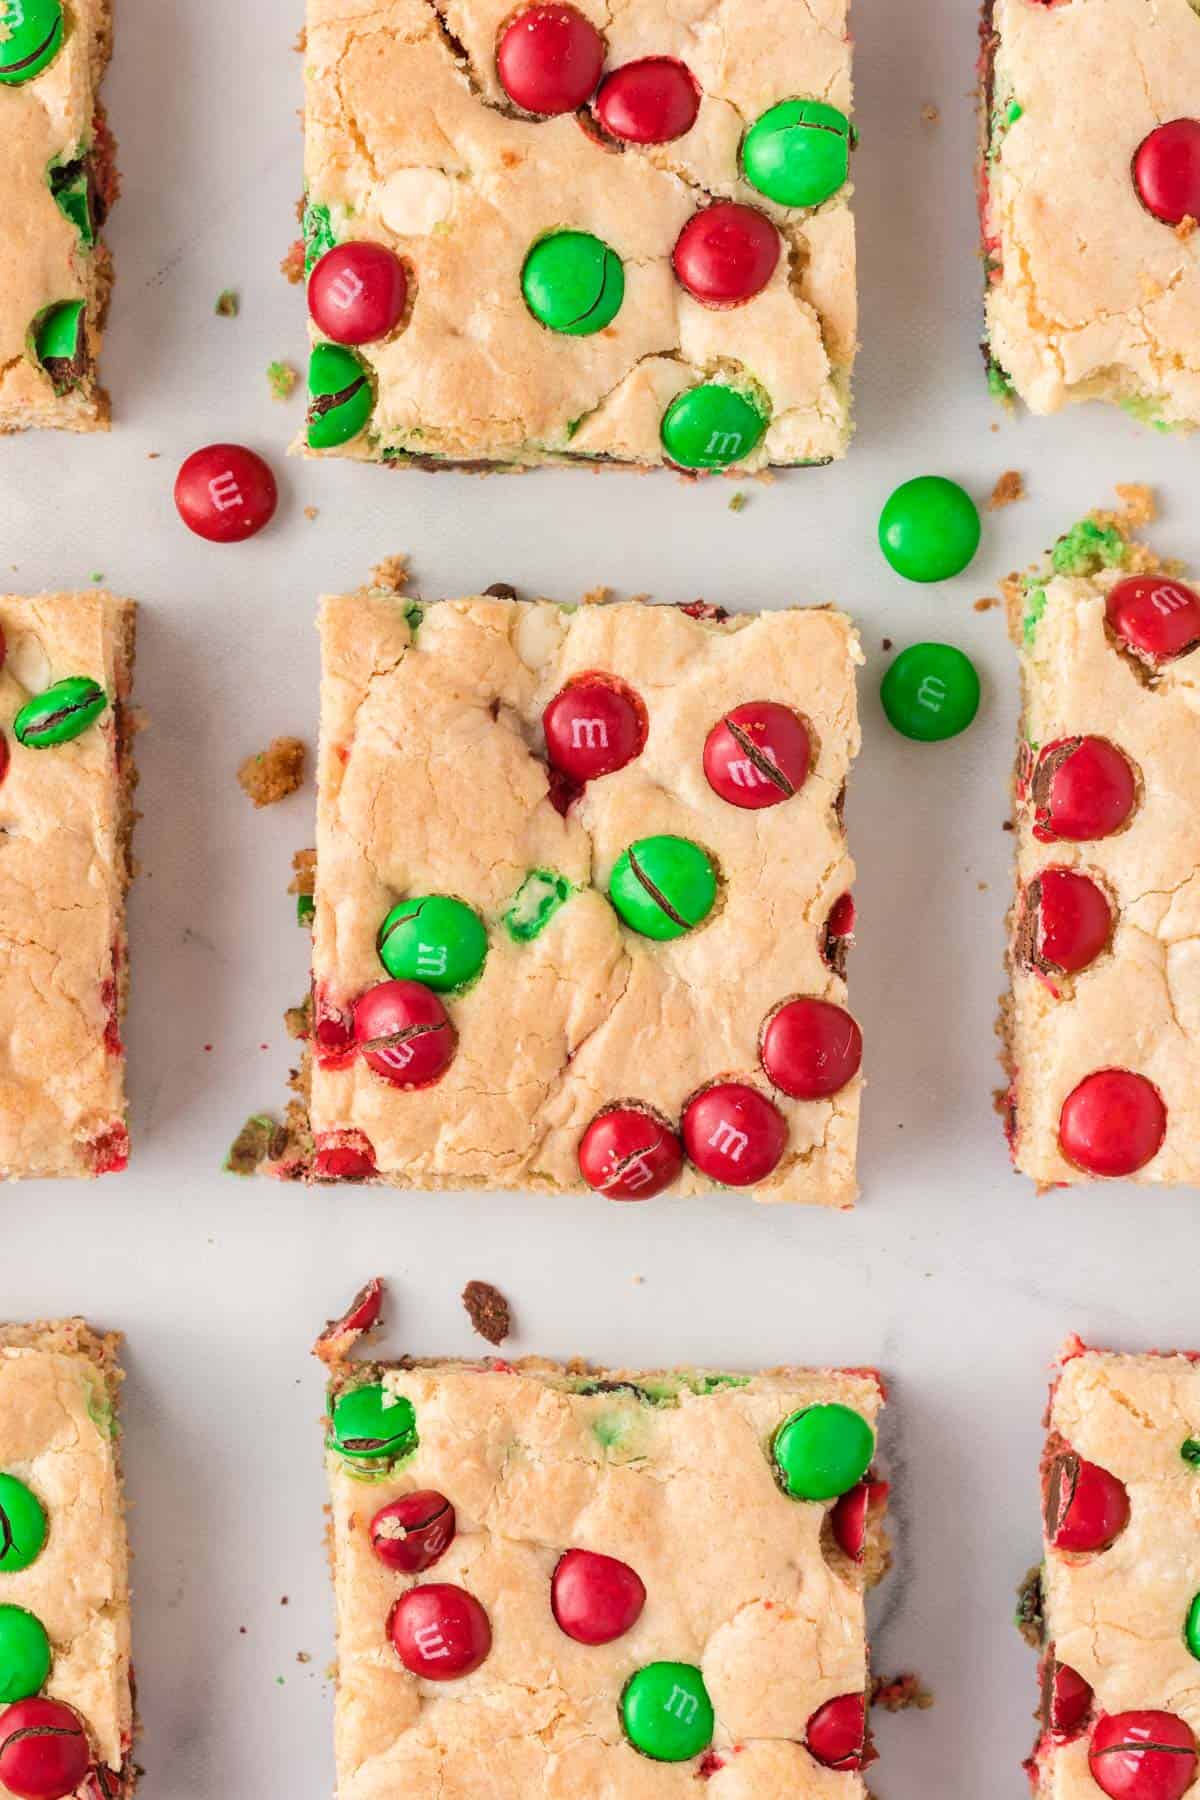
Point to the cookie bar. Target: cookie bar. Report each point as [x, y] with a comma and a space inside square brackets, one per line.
[568, 233]
[1120, 1584]
[66, 1702]
[1102, 1029]
[60, 181]
[540, 1592]
[66, 819]
[582, 900]
[1090, 193]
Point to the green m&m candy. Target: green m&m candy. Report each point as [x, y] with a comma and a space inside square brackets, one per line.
[1191, 1629]
[24, 1654]
[711, 426]
[370, 1426]
[340, 397]
[930, 692]
[798, 153]
[435, 940]
[22, 1524]
[61, 713]
[929, 529]
[822, 1452]
[667, 1713]
[573, 283]
[70, 183]
[535, 903]
[663, 886]
[60, 343]
[31, 35]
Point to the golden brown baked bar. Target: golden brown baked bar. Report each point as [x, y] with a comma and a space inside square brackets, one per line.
[66, 818]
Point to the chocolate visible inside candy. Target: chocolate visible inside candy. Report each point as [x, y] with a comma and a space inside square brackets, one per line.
[60, 342]
[63, 712]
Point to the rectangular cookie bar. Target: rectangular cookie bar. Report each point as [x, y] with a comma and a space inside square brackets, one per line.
[60, 179]
[518, 206]
[1118, 1593]
[567, 1583]
[67, 1723]
[583, 970]
[66, 813]
[1089, 197]
[1102, 1029]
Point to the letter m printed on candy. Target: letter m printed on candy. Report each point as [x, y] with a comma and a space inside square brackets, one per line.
[932, 693]
[728, 1141]
[725, 446]
[589, 734]
[681, 1705]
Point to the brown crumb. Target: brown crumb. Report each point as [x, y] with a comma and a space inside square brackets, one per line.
[310, 513]
[283, 1599]
[301, 43]
[896, 1693]
[887, 644]
[1138, 505]
[737, 501]
[596, 596]
[986, 604]
[274, 773]
[930, 114]
[982, 886]
[1186, 228]
[391, 574]
[304, 873]
[297, 1022]
[487, 1310]
[1008, 490]
[282, 379]
[639, 599]
[260, 1140]
[153, 455]
[292, 265]
[1008, 825]
[303, 1656]
[228, 305]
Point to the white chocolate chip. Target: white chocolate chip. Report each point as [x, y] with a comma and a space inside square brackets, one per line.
[413, 202]
[28, 662]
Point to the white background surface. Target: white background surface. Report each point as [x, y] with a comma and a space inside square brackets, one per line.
[952, 1276]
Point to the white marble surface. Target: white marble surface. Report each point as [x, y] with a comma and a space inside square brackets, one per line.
[952, 1275]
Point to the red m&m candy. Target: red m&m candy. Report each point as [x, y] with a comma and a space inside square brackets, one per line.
[357, 292]
[225, 493]
[594, 726]
[1083, 788]
[332, 1030]
[629, 1153]
[848, 1520]
[439, 1631]
[411, 1533]
[1068, 920]
[758, 754]
[1086, 1507]
[836, 1734]
[733, 1133]
[44, 1752]
[549, 59]
[1113, 1123]
[810, 1048]
[1166, 171]
[404, 1033]
[595, 1598]
[1143, 1756]
[1158, 619]
[1066, 1696]
[726, 254]
[344, 1156]
[648, 102]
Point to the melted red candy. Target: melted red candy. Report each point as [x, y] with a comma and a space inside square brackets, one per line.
[1083, 788]
[357, 292]
[726, 254]
[1143, 1756]
[1158, 619]
[1166, 171]
[734, 1134]
[836, 1733]
[595, 1598]
[225, 493]
[439, 1631]
[404, 1033]
[629, 1153]
[1113, 1123]
[1086, 1507]
[648, 102]
[810, 1048]
[549, 59]
[412, 1533]
[758, 754]
[344, 1156]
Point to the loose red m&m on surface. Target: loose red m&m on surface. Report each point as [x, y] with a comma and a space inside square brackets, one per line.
[595, 1598]
[1086, 1507]
[44, 1753]
[1158, 619]
[357, 292]
[1143, 1756]
[594, 726]
[1069, 920]
[1113, 1123]
[1166, 171]
[837, 1732]
[733, 1133]
[439, 1631]
[810, 1048]
[650, 101]
[404, 1033]
[726, 254]
[758, 754]
[629, 1153]
[1066, 1696]
[549, 59]
[1083, 788]
[411, 1533]
[225, 493]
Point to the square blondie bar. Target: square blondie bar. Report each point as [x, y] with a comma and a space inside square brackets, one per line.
[66, 821]
[1089, 196]
[554, 1581]
[60, 181]
[1120, 1583]
[599, 851]
[580, 233]
[67, 1714]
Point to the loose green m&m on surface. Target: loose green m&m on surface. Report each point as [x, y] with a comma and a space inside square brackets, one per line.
[31, 35]
[930, 692]
[711, 426]
[798, 153]
[823, 1451]
[22, 1524]
[340, 397]
[929, 529]
[60, 344]
[435, 940]
[667, 1713]
[63, 712]
[663, 886]
[24, 1654]
[370, 1426]
[573, 283]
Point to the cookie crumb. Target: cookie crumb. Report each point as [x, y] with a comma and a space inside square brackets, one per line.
[260, 1139]
[304, 873]
[282, 380]
[274, 773]
[886, 644]
[301, 43]
[1008, 490]
[896, 1693]
[228, 304]
[310, 513]
[638, 1280]
[1186, 228]
[596, 596]
[1008, 825]
[987, 603]
[391, 574]
[292, 266]
[1138, 505]
[487, 1310]
[737, 501]
[303, 1656]
[930, 114]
